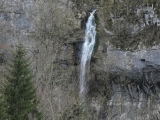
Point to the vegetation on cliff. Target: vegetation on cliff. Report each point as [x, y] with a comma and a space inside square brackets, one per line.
[127, 21]
[19, 93]
[54, 45]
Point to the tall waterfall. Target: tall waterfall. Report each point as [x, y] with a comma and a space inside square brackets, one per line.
[87, 49]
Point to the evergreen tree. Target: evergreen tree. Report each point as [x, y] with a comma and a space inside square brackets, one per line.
[3, 115]
[19, 91]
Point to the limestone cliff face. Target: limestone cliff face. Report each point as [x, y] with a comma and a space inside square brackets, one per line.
[128, 56]
[15, 19]
[16, 24]
[27, 21]
[125, 68]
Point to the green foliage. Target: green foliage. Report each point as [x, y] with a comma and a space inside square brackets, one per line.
[19, 92]
[3, 106]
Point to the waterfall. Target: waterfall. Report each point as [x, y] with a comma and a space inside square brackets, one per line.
[87, 49]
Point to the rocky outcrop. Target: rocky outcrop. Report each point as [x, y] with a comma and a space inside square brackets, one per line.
[131, 73]
[125, 67]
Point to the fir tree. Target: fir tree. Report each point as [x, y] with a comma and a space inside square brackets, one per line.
[3, 106]
[19, 91]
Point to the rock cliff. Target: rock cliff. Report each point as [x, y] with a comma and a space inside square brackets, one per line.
[124, 82]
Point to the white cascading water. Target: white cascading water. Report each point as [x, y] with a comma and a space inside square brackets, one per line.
[87, 49]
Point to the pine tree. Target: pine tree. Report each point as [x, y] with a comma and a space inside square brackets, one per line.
[19, 91]
[3, 115]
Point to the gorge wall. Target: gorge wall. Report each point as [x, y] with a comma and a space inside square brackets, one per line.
[125, 67]
[124, 82]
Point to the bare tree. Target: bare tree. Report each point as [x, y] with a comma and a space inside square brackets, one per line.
[56, 81]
